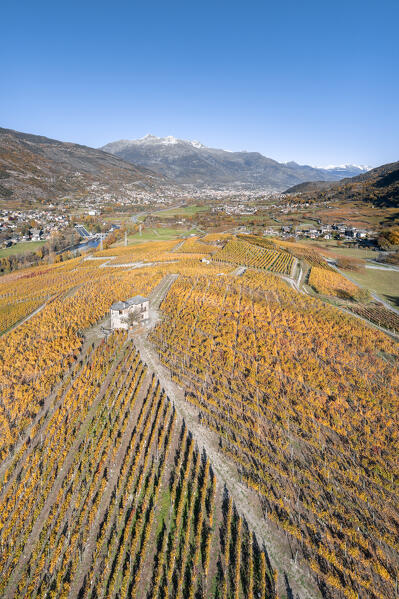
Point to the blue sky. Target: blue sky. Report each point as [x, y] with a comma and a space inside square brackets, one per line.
[311, 81]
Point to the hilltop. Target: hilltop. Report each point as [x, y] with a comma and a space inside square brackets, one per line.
[33, 168]
[192, 163]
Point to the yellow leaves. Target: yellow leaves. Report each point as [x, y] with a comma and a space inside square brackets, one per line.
[318, 391]
[34, 355]
[329, 282]
[379, 568]
[334, 581]
[351, 594]
[241, 252]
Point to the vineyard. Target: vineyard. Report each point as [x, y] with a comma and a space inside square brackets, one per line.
[196, 246]
[302, 252]
[244, 253]
[111, 498]
[330, 282]
[306, 407]
[263, 242]
[34, 357]
[379, 315]
[108, 490]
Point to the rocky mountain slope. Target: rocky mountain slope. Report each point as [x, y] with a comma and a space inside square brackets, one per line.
[34, 167]
[379, 186]
[190, 162]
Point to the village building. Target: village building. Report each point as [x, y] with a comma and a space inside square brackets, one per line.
[128, 313]
[35, 234]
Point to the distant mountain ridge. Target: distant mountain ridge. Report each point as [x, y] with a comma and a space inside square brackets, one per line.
[34, 167]
[192, 163]
[379, 186]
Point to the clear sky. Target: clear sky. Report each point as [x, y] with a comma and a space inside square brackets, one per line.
[311, 81]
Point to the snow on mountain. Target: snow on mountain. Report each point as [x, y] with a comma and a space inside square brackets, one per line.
[190, 162]
[360, 167]
[164, 141]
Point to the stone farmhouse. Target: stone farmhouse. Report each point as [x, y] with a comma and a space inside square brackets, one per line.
[132, 311]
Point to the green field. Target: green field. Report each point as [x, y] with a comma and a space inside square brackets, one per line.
[384, 283]
[21, 248]
[182, 211]
[157, 234]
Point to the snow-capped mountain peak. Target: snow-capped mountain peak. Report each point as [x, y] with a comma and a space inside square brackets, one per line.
[197, 144]
[165, 141]
[190, 162]
[332, 167]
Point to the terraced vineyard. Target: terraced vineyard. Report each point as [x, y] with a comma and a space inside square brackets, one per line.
[34, 357]
[196, 246]
[303, 252]
[247, 254]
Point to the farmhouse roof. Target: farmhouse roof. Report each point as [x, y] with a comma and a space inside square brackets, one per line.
[133, 301]
[118, 306]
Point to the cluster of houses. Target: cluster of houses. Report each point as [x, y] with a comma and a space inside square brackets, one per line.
[30, 225]
[130, 194]
[239, 209]
[334, 231]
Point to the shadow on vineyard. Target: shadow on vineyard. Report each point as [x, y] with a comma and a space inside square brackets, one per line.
[393, 298]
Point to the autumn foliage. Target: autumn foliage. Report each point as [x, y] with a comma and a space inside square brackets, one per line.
[305, 404]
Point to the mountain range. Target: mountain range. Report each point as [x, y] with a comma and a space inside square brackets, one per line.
[34, 167]
[192, 163]
[379, 186]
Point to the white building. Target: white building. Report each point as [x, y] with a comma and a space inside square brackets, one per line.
[132, 311]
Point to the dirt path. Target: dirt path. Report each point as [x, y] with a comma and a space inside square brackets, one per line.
[299, 286]
[380, 267]
[158, 294]
[47, 411]
[247, 502]
[373, 294]
[237, 272]
[31, 315]
[178, 246]
[384, 303]
[93, 334]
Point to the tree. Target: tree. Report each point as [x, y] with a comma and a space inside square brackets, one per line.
[132, 318]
